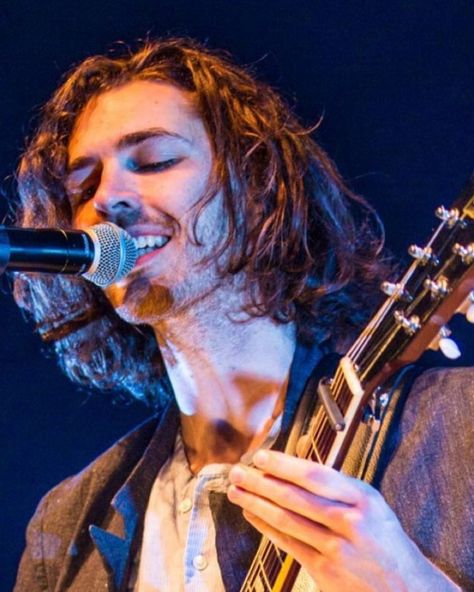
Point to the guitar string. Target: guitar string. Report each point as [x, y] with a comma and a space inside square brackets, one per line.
[353, 353]
[264, 556]
[264, 560]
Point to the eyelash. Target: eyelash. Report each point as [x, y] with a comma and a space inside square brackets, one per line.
[151, 167]
[76, 198]
[154, 167]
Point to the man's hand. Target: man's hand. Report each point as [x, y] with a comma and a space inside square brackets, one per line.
[338, 528]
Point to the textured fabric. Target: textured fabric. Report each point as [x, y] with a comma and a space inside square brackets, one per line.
[178, 550]
[86, 531]
[426, 476]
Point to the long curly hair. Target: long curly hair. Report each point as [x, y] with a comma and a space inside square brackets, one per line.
[310, 248]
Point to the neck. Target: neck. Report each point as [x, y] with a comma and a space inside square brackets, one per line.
[229, 378]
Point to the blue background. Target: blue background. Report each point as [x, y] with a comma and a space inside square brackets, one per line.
[394, 82]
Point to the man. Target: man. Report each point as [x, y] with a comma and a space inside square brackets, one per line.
[255, 260]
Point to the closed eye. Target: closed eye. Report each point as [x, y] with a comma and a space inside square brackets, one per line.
[152, 167]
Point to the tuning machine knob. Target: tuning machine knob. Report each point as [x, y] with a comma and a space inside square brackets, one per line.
[438, 288]
[448, 347]
[409, 324]
[423, 255]
[470, 310]
[449, 216]
[467, 307]
[466, 253]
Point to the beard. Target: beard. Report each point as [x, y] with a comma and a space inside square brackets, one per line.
[192, 281]
[142, 302]
[146, 300]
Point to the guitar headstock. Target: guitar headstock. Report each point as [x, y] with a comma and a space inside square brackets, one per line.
[438, 283]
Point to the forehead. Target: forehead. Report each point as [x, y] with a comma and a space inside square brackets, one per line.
[132, 107]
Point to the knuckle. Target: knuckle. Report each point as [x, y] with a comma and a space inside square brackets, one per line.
[313, 474]
[326, 569]
[332, 513]
[286, 497]
[336, 549]
[368, 495]
[280, 519]
[355, 521]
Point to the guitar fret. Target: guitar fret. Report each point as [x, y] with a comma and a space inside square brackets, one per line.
[265, 569]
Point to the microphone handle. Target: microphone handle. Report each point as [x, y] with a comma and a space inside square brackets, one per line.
[45, 250]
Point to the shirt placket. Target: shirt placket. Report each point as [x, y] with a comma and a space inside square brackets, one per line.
[199, 552]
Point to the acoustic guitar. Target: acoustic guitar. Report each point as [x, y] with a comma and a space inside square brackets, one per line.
[438, 283]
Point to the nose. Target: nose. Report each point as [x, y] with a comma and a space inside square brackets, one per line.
[115, 202]
[120, 210]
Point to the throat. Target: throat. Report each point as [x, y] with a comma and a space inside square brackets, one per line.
[219, 441]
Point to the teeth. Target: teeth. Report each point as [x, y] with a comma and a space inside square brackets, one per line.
[150, 242]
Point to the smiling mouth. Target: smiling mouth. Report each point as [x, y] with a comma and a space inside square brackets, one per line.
[148, 243]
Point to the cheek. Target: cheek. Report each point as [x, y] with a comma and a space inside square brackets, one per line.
[178, 191]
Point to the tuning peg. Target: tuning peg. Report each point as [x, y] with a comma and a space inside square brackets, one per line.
[466, 253]
[448, 346]
[438, 288]
[396, 290]
[422, 255]
[467, 308]
[391, 289]
[470, 308]
[449, 216]
[409, 324]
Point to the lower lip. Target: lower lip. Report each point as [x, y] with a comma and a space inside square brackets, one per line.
[143, 259]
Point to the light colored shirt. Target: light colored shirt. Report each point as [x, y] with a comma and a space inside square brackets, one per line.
[178, 551]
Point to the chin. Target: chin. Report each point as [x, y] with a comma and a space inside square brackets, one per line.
[140, 302]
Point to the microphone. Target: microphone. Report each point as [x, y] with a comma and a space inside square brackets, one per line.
[103, 253]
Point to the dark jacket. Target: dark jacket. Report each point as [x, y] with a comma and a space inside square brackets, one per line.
[86, 531]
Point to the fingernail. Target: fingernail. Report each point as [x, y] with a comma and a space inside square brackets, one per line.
[232, 492]
[260, 458]
[236, 474]
[248, 515]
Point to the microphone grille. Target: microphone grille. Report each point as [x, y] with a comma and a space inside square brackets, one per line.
[115, 254]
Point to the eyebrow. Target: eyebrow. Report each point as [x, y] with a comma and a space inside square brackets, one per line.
[126, 141]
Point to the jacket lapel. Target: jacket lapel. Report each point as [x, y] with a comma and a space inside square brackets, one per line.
[114, 544]
[119, 541]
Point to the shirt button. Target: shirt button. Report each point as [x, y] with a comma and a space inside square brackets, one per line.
[200, 562]
[185, 505]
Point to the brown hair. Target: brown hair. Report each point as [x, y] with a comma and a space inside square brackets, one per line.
[306, 242]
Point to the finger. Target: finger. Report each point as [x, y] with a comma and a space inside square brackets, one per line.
[285, 542]
[292, 497]
[286, 522]
[304, 554]
[318, 479]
